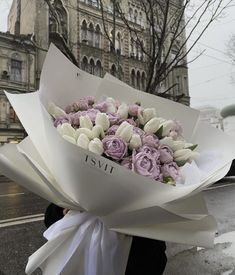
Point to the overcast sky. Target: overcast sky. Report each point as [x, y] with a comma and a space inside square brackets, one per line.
[210, 75]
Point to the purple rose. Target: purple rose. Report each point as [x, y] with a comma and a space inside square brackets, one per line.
[69, 109]
[63, 119]
[144, 164]
[151, 140]
[127, 162]
[176, 131]
[171, 170]
[166, 154]
[133, 110]
[114, 147]
[91, 113]
[152, 151]
[112, 130]
[101, 106]
[113, 118]
[89, 99]
[129, 120]
[138, 131]
[75, 118]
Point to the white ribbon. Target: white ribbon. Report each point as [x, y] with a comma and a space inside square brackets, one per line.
[81, 244]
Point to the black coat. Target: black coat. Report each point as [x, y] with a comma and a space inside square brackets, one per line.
[147, 256]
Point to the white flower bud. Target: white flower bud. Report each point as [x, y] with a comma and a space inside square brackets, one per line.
[83, 141]
[167, 141]
[135, 142]
[85, 122]
[123, 110]
[84, 131]
[67, 129]
[194, 155]
[96, 146]
[182, 155]
[152, 125]
[125, 131]
[102, 120]
[111, 105]
[178, 145]
[69, 139]
[167, 126]
[145, 115]
[55, 111]
[97, 131]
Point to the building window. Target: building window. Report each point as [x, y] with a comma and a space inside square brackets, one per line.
[98, 69]
[132, 47]
[97, 37]
[119, 43]
[138, 80]
[113, 70]
[131, 17]
[143, 81]
[133, 78]
[92, 66]
[84, 64]
[84, 32]
[91, 35]
[16, 70]
[135, 16]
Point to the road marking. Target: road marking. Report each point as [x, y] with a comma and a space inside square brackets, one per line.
[11, 195]
[21, 220]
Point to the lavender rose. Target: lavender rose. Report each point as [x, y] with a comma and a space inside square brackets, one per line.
[151, 140]
[133, 110]
[112, 130]
[144, 164]
[129, 120]
[101, 106]
[127, 162]
[152, 151]
[114, 118]
[63, 119]
[138, 131]
[114, 147]
[166, 154]
[170, 170]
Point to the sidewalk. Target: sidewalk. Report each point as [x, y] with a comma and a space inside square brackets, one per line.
[188, 260]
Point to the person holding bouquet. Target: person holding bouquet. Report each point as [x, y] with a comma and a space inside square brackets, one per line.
[146, 256]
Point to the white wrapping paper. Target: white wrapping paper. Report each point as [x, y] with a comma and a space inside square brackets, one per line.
[115, 200]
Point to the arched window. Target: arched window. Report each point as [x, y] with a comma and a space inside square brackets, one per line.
[140, 19]
[16, 67]
[63, 17]
[111, 38]
[143, 81]
[113, 70]
[84, 32]
[133, 78]
[135, 16]
[119, 43]
[91, 35]
[92, 66]
[138, 80]
[98, 69]
[131, 17]
[120, 73]
[84, 64]
[132, 47]
[97, 37]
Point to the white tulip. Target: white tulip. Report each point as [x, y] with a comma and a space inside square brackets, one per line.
[83, 141]
[145, 115]
[111, 105]
[152, 125]
[167, 141]
[67, 129]
[55, 111]
[69, 139]
[125, 131]
[84, 131]
[102, 120]
[123, 110]
[97, 131]
[135, 142]
[96, 146]
[178, 145]
[167, 126]
[85, 122]
[182, 155]
[194, 155]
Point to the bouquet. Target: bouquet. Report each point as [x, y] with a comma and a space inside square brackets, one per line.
[108, 202]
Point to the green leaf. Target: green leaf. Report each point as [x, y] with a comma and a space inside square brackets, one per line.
[181, 163]
[159, 132]
[169, 180]
[193, 147]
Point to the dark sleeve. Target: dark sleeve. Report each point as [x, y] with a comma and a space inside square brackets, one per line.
[146, 256]
[53, 214]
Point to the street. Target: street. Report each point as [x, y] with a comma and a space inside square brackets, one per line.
[21, 229]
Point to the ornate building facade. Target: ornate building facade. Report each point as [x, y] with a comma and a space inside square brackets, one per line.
[82, 25]
[17, 75]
